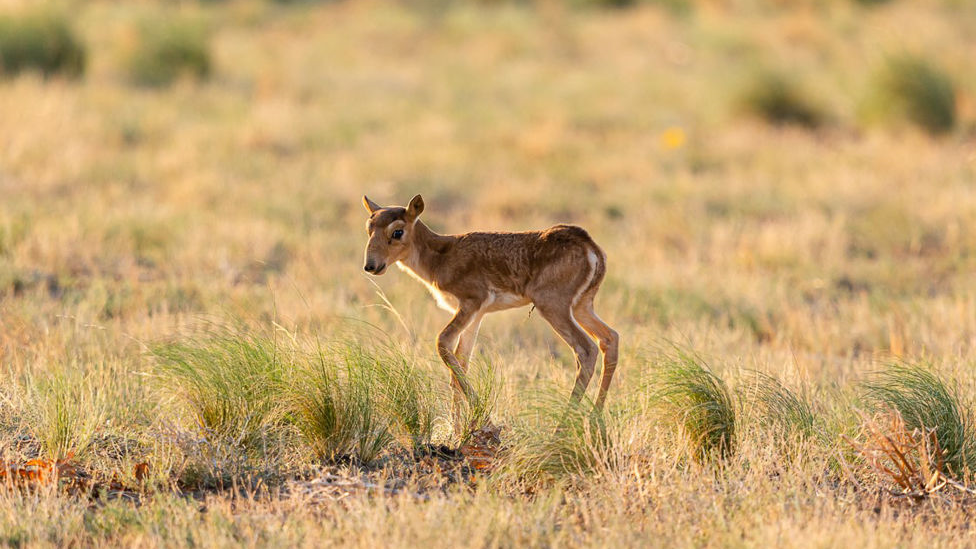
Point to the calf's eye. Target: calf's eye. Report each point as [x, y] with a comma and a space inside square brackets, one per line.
[398, 234]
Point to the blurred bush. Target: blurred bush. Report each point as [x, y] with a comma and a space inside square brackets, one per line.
[910, 88]
[604, 3]
[41, 41]
[777, 99]
[673, 6]
[300, 1]
[167, 51]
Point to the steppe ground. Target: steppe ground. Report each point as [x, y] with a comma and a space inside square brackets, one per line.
[130, 215]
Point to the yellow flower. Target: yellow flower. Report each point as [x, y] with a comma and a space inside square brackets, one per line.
[673, 138]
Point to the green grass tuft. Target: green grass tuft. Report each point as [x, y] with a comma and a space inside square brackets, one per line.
[227, 380]
[169, 50]
[346, 401]
[476, 414]
[688, 393]
[782, 411]
[925, 401]
[66, 411]
[41, 41]
[554, 438]
[410, 399]
[913, 89]
[335, 400]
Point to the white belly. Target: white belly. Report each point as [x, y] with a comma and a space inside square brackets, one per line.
[500, 300]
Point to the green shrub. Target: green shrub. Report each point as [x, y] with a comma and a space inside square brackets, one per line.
[688, 394]
[170, 50]
[778, 99]
[40, 41]
[909, 88]
[925, 401]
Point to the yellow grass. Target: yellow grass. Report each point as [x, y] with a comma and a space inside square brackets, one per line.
[129, 215]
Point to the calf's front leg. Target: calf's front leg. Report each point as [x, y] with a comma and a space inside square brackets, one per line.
[448, 340]
[465, 345]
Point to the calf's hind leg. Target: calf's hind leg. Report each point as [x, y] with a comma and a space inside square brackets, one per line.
[559, 314]
[609, 342]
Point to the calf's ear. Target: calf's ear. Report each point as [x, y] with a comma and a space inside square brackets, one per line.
[415, 208]
[370, 205]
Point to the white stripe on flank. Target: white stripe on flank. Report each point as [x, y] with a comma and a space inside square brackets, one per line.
[592, 259]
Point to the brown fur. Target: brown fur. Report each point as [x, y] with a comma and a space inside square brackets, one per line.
[559, 270]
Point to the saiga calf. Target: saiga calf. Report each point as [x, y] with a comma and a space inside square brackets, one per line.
[559, 270]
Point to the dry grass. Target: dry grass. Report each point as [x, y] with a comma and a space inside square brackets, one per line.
[128, 213]
[912, 458]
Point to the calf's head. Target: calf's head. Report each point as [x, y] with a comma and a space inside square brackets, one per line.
[391, 232]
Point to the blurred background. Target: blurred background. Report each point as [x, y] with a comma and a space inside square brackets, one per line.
[765, 175]
[784, 187]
